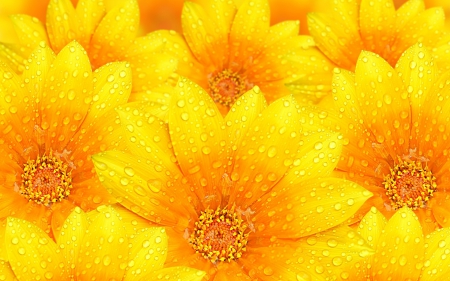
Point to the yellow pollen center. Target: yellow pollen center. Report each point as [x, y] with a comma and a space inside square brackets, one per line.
[219, 235]
[409, 184]
[226, 87]
[46, 180]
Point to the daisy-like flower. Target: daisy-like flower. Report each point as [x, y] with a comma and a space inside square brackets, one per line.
[402, 251]
[237, 192]
[107, 34]
[93, 246]
[353, 26]
[395, 125]
[54, 116]
[228, 50]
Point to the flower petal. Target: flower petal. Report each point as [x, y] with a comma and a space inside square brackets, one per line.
[29, 30]
[242, 115]
[6, 272]
[307, 208]
[248, 32]
[146, 135]
[436, 266]
[63, 24]
[103, 254]
[90, 13]
[196, 131]
[400, 250]
[376, 19]
[32, 254]
[270, 146]
[70, 238]
[331, 252]
[67, 84]
[145, 187]
[114, 33]
[385, 103]
[371, 227]
[172, 273]
[148, 253]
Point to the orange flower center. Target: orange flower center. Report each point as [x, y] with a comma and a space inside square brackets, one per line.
[226, 87]
[409, 184]
[46, 180]
[219, 235]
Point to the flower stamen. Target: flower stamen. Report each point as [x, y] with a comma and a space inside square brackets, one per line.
[409, 184]
[46, 180]
[226, 87]
[219, 235]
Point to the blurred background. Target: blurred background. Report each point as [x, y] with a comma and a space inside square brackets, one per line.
[166, 14]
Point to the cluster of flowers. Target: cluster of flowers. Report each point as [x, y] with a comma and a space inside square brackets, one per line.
[233, 150]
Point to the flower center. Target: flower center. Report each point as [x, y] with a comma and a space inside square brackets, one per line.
[219, 235]
[409, 184]
[46, 180]
[226, 87]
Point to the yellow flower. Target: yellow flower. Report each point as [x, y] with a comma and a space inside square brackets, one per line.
[228, 50]
[93, 246]
[402, 252]
[236, 192]
[107, 35]
[53, 118]
[395, 124]
[376, 26]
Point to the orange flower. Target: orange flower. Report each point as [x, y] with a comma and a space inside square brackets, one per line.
[395, 124]
[245, 196]
[228, 50]
[53, 118]
[106, 33]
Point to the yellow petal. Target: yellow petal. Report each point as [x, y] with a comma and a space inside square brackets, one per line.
[400, 250]
[206, 36]
[436, 265]
[264, 155]
[371, 227]
[316, 205]
[146, 135]
[29, 30]
[148, 253]
[103, 254]
[197, 136]
[330, 253]
[188, 66]
[416, 69]
[32, 254]
[376, 18]
[112, 87]
[282, 30]
[242, 114]
[37, 68]
[67, 84]
[248, 32]
[408, 11]
[144, 187]
[63, 24]
[6, 272]
[384, 103]
[70, 238]
[172, 273]
[13, 56]
[90, 13]
[114, 33]
[150, 68]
